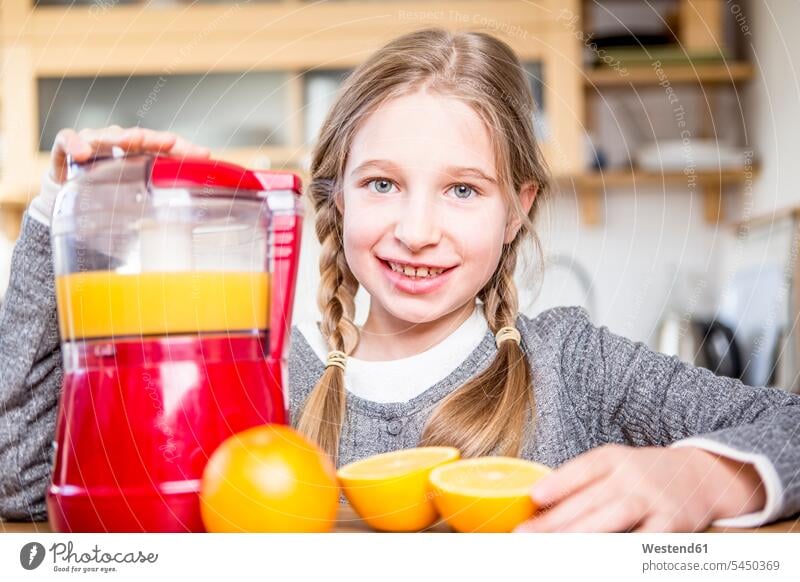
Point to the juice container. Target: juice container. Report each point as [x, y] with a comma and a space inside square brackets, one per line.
[174, 284]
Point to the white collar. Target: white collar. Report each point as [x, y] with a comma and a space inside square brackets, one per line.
[402, 379]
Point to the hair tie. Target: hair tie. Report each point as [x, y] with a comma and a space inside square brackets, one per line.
[336, 358]
[507, 333]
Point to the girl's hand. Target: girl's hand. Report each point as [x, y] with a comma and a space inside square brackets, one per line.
[652, 489]
[83, 144]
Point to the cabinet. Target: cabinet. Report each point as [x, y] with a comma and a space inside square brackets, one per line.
[252, 81]
[691, 76]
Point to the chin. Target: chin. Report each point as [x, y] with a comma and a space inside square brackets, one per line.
[422, 313]
[415, 310]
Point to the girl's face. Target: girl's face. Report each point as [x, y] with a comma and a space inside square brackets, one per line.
[424, 218]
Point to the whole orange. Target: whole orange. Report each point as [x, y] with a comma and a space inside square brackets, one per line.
[269, 478]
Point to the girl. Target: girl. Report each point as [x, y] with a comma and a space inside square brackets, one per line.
[426, 180]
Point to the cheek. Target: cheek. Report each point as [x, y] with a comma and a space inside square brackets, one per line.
[482, 253]
[360, 234]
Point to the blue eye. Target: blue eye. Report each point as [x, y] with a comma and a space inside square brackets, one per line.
[382, 185]
[463, 191]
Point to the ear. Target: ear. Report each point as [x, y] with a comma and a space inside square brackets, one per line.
[338, 201]
[527, 195]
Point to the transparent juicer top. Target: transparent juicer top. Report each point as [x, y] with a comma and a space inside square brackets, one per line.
[140, 251]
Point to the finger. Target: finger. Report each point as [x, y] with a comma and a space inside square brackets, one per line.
[651, 524]
[132, 140]
[616, 516]
[98, 136]
[157, 141]
[184, 147]
[142, 140]
[572, 509]
[574, 475]
[67, 142]
[661, 522]
[172, 144]
[102, 140]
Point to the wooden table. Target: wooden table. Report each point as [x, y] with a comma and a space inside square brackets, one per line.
[348, 522]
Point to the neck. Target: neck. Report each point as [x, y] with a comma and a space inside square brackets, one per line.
[406, 339]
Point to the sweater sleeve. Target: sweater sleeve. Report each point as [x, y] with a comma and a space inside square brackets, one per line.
[30, 376]
[630, 394]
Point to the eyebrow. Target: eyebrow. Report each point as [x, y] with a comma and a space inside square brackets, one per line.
[451, 171]
[377, 164]
[475, 172]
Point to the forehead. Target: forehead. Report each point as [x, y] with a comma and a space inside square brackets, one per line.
[424, 131]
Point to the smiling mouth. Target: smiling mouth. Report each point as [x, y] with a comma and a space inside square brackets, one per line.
[415, 273]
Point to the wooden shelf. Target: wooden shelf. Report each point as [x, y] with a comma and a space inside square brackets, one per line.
[768, 219]
[730, 72]
[631, 178]
[126, 39]
[592, 186]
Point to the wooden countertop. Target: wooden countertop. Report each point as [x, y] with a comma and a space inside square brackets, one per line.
[349, 522]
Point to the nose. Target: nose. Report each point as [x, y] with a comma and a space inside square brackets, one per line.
[418, 223]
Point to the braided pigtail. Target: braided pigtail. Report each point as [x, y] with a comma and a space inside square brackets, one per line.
[493, 408]
[324, 409]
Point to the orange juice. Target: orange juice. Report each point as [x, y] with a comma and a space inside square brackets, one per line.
[107, 304]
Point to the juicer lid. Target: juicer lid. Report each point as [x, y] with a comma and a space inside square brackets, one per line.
[164, 171]
[173, 172]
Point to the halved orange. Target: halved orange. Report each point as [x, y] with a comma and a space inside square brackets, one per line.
[486, 494]
[390, 490]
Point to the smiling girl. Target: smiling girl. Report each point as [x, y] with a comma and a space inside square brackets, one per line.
[426, 179]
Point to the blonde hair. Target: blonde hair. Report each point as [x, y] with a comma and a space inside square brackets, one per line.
[490, 412]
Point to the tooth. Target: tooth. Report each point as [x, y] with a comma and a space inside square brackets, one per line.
[409, 271]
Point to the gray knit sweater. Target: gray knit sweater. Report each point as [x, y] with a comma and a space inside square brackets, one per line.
[591, 387]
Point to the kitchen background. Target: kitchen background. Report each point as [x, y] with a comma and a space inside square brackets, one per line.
[670, 126]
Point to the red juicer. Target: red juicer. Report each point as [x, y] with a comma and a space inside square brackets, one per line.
[175, 282]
